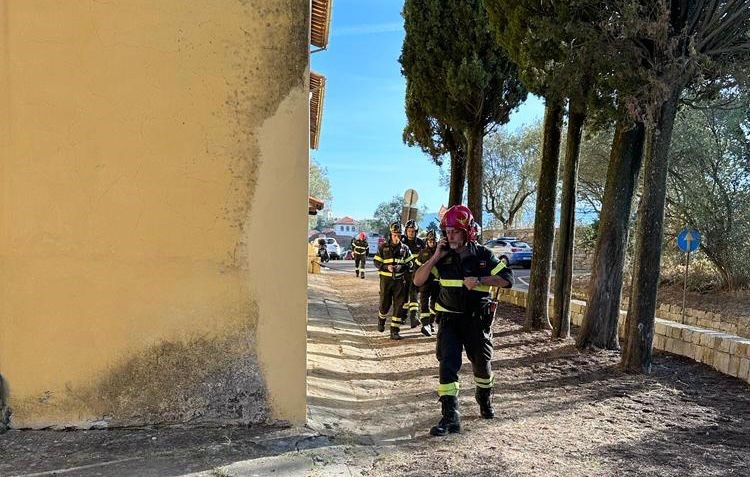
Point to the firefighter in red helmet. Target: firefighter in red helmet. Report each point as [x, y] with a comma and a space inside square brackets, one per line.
[465, 272]
[360, 250]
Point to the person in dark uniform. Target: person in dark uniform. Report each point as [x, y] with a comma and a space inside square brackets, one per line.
[393, 261]
[428, 291]
[360, 250]
[415, 245]
[465, 271]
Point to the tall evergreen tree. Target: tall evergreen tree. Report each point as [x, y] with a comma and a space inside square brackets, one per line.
[555, 45]
[436, 139]
[699, 44]
[459, 76]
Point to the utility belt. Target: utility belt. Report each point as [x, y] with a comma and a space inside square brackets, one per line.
[485, 313]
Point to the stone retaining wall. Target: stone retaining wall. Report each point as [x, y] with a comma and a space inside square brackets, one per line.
[734, 325]
[725, 352]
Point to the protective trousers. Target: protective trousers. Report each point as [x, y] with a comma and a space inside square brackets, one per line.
[459, 331]
[411, 304]
[359, 262]
[393, 295]
[427, 293]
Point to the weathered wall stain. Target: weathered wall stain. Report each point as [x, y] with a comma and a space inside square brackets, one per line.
[274, 55]
[212, 379]
[4, 409]
[132, 294]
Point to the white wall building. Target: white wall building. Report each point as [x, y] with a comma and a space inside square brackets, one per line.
[346, 226]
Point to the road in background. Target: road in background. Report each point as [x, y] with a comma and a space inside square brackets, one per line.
[347, 266]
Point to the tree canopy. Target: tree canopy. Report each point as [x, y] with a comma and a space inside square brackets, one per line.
[511, 169]
[457, 74]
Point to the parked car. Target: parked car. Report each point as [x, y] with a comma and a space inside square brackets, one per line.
[374, 240]
[511, 250]
[334, 250]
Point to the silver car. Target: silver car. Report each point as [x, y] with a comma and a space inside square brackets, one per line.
[511, 250]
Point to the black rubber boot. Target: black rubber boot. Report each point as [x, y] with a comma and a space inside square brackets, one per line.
[356, 272]
[381, 324]
[394, 334]
[362, 275]
[451, 420]
[484, 398]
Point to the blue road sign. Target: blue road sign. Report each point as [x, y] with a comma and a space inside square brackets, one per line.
[688, 240]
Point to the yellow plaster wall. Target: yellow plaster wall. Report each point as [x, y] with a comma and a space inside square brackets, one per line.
[148, 152]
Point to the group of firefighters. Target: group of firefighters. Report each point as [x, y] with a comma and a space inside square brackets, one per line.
[452, 275]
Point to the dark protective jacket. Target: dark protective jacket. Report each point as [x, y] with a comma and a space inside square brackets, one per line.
[451, 270]
[415, 246]
[390, 254]
[360, 247]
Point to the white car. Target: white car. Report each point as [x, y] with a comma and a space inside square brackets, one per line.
[334, 249]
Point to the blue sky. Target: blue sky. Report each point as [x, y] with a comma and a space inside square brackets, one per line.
[363, 115]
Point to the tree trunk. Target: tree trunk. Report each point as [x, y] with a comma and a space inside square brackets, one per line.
[458, 178]
[642, 307]
[566, 235]
[599, 328]
[537, 315]
[474, 144]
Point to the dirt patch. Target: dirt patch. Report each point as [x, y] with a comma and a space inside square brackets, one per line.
[560, 411]
[716, 301]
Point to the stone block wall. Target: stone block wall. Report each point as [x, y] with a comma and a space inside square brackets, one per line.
[734, 325]
[726, 352]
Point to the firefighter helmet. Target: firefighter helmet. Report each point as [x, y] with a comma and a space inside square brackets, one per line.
[362, 236]
[412, 224]
[431, 236]
[395, 228]
[460, 217]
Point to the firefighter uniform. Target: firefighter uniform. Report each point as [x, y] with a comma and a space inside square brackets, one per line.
[360, 250]
[393, 287]
[412, 303]
[459, 308]
[465, 311]
[427, 293]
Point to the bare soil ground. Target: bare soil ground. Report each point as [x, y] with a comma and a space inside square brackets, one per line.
[559, 411]
[716, 301]
[371, 401]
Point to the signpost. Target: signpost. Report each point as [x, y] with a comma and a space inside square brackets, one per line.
[408, 211]
[688, 240]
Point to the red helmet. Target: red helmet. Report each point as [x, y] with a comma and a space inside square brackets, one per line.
[460, 217]
[362, 236]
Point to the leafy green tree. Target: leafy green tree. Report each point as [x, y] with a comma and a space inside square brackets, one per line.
[436, 139]
[511, 169]
[709, 183]
[459, 75]
[698, 45]
[389, 212]
[320, 187]
[592, 176]
[555, 46]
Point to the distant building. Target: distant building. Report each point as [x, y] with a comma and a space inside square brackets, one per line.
[346, 226]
